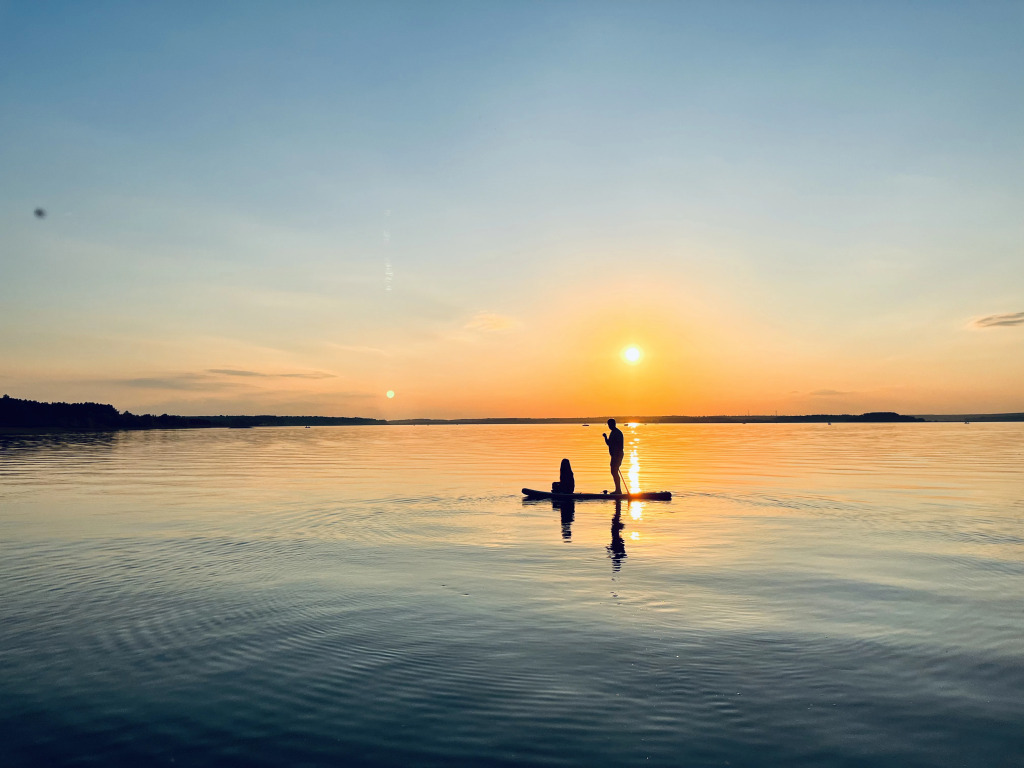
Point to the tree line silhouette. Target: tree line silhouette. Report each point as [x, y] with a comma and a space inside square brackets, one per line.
[30, 414]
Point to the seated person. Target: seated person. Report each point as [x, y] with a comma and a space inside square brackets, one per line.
[566, 482]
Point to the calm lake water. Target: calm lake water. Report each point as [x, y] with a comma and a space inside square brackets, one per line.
[846, 595]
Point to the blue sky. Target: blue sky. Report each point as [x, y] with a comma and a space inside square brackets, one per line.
[791, 206]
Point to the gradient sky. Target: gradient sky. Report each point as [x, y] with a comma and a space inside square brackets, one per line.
[293, 208]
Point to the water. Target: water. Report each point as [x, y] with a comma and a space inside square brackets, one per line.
[814, 595]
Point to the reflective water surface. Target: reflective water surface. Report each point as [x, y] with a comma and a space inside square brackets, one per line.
[813, 595]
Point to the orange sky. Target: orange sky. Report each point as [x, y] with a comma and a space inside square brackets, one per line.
[487, 210]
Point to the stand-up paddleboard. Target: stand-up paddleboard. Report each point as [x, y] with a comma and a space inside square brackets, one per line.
[645, 496]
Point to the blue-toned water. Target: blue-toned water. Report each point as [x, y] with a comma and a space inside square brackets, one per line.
[814, 595]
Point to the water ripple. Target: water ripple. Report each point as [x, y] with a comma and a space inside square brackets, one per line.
[382, 596]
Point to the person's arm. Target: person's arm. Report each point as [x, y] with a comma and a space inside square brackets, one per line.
[605, 436]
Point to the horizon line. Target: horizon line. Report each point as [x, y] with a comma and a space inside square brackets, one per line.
[651, 418]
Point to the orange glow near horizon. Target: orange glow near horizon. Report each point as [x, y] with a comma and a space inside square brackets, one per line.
[694, 358]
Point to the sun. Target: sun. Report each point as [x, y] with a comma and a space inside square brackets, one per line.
[632, 355]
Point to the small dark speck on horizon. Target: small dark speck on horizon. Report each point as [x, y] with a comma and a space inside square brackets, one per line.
[40, 213]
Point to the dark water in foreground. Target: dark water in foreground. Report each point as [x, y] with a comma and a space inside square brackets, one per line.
[813, 596]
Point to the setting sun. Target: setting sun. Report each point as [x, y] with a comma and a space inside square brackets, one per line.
[632, 354]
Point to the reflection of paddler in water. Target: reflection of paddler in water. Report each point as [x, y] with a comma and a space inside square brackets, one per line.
[616, 449]
[567, 507]
[566, 483]
[617, 549]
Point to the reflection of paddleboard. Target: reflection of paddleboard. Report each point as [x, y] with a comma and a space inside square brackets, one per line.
[646, 496]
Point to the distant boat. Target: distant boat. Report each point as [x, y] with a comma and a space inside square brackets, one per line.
[586, 425]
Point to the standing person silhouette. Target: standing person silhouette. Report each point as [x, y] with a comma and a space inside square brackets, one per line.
[616, 448]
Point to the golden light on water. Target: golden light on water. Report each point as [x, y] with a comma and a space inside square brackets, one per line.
[632, 355]
[636, 510]
[634, 472]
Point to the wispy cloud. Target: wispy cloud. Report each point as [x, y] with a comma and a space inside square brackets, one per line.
[490, 321]
[233, 372]
[186, 381]
[258, 374]
[211, 379]
[993, 321]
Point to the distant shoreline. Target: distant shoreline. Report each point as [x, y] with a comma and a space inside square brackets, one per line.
[878, 417]
[32, 417]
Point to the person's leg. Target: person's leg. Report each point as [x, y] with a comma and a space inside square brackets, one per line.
[616, 463]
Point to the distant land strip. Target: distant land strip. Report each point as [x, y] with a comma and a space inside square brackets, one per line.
[20, 416]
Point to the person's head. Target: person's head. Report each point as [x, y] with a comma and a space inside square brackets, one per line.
[565, 466]
[611, 423]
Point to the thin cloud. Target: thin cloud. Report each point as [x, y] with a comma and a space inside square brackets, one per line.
[185, 381]
[490, 321]
[257, 374]
[994, 321]
[234, 372]
[828, 392]
[211, 379]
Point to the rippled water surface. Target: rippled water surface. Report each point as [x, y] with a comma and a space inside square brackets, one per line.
[846, 595]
